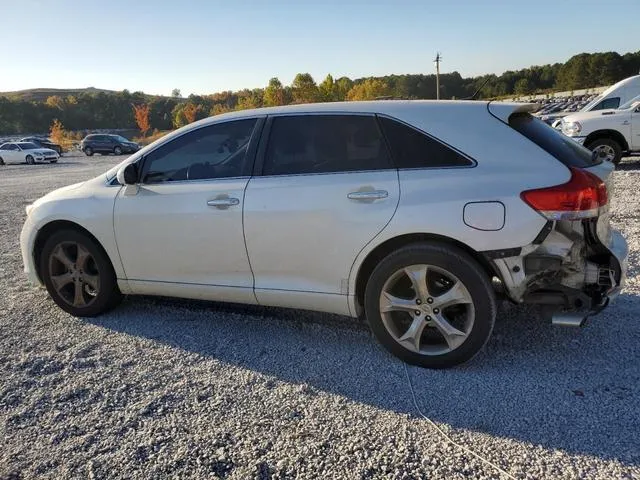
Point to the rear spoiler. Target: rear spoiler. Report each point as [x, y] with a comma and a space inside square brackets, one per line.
[503, 110]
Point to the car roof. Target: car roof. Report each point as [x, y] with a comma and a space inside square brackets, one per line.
[372, 106]
[389, 107]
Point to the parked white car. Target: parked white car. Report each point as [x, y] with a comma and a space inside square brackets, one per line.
[21, 152]
[612, 134]
[415, 214]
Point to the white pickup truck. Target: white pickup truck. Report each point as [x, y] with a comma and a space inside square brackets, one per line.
[612, 133]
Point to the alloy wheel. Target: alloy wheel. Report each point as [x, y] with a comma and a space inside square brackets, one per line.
[74, 274]
[605, 152]
[427, 309]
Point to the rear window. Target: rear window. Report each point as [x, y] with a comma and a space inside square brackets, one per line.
[553, 142]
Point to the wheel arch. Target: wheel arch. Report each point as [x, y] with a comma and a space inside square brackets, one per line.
[55, 226]
[612, 134]
[374, 257]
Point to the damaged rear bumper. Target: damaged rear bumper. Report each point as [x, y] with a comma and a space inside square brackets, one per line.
[572, 268]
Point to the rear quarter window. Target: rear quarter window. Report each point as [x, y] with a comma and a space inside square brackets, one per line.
[411, 148]
[553, 142]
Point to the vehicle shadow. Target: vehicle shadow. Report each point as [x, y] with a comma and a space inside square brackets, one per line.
[569, 389]
[629, 164]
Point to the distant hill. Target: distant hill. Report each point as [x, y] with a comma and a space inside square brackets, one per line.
[41, 94]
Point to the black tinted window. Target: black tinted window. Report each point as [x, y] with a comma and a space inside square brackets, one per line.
[413, 149]
[217, 151]
[323, 144]
[560, 146]
[613, 102]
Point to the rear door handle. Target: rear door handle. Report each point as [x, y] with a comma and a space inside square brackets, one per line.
[223, 202]
[626, 122]
[368, 195]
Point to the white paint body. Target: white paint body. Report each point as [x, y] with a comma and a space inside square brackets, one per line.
[298, 240]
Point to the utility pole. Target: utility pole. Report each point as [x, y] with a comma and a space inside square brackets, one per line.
[437, 61]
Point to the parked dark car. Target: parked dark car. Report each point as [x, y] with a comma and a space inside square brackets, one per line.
[43, 143]
[106, 143]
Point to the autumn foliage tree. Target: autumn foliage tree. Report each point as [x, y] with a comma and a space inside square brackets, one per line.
[370, 89]
[141, 114]
[57, 132]
[190, 112]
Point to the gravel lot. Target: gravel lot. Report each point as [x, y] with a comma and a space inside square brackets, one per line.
[163, 388]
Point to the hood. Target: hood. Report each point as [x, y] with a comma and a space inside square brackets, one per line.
[59, 193]
[583, 116]
[42, 150]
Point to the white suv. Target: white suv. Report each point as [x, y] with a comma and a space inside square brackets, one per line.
[415, 214]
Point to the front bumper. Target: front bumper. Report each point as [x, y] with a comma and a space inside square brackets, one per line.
[27, 244]
[579, 140]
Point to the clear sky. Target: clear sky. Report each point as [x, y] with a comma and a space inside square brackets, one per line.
[204, 46]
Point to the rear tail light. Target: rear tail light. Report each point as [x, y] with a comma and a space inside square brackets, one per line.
[581, 197]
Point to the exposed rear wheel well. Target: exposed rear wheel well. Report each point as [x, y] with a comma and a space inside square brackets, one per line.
[49, 229]
[612, 134]
[393, 244]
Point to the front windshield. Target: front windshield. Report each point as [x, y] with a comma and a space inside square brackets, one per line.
[591, 103]
[120, 138]
[27, 145]
[630, 103]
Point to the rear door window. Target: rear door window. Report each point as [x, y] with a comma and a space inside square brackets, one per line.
[561, 147]
[310, 144]
[412, 148]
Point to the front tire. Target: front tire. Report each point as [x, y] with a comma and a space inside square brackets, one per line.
[78, 274]
[607, 149]
[431, 305]
[88, 151]
[1, 161]
[117, 151]
[30, 160]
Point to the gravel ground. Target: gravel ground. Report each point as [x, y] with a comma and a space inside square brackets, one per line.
[163, 388]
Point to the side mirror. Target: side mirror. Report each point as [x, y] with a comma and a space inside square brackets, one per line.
[128, 175]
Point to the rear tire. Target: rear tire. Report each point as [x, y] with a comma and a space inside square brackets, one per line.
[78, 274]
[607, 148]
[88, 151]
[1, 161]
[447, 327]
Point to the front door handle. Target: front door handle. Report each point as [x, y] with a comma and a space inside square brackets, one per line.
[223, 202]
[368, 195]
[626, 122]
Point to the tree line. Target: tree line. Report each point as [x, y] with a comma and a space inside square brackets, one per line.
[90, 110]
